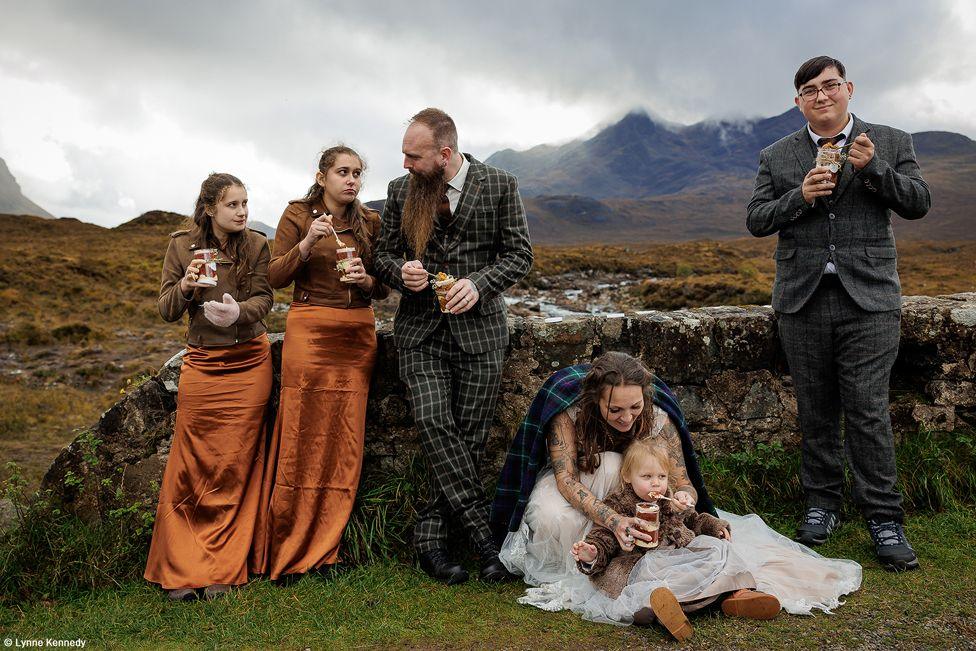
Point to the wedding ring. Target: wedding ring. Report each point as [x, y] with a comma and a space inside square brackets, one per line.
[627, 531]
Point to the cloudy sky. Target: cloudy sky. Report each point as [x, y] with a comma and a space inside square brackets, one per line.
[110, 109]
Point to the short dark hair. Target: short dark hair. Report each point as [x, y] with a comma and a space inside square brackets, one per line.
[441, 126]
[814, 67]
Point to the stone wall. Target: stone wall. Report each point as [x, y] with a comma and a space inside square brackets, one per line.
[724, 363]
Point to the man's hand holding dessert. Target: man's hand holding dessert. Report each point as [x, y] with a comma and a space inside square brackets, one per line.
[817, 183]
[414, 275]
[862, 151]
[462, 296]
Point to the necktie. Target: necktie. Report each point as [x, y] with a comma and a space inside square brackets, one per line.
[823, 141]
[444, 209]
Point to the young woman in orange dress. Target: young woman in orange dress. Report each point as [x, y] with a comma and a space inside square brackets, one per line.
[210, 496]
[326, 365]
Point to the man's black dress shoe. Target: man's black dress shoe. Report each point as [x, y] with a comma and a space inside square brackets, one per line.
[494, 571]
[438, 565]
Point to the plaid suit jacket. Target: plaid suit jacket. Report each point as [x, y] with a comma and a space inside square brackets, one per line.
[852, 227]
[486, 242]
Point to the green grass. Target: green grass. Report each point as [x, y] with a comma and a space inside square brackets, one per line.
[392, 604]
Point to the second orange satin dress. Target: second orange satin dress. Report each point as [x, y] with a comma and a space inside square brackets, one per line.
[327, 361]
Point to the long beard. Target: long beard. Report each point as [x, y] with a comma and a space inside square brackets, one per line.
[419, 210]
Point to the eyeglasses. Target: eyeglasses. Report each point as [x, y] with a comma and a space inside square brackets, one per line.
[829, 90]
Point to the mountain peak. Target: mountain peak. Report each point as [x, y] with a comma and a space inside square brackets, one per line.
[12, 200]
[643, 156]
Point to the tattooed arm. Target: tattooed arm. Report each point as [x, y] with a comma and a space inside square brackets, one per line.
[562, 454]
[665, 436]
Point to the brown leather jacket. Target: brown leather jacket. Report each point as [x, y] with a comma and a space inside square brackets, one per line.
[255, 298]
[316, 279]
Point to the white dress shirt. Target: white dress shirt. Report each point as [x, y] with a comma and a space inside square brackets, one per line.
[845, 132]
[455, 185]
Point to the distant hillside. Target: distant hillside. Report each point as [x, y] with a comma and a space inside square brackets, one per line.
[12, 200]
[640, 180]
[156, 219]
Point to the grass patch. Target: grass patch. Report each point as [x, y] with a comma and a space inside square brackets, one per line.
[36, 421]
[51, 553]
[713, 289]
[380, 526]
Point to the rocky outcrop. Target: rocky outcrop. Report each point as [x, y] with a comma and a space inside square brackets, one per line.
[724, 364]
[12, 200]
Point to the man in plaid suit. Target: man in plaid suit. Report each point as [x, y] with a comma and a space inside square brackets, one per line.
[838, 299]
[452, 214]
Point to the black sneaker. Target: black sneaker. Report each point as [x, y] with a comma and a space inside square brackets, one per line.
[817, 526]
[891, 546]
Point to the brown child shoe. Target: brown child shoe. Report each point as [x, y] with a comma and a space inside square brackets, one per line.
[668, 611]
[751, 604]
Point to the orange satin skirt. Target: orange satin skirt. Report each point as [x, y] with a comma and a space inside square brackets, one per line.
[211, 492]
[316, 452]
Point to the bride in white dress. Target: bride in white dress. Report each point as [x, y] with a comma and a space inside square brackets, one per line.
[614, 406]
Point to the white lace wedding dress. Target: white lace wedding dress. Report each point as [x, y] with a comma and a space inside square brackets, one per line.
[757, 557]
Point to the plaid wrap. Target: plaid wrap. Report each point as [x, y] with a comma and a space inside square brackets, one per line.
[529, 450]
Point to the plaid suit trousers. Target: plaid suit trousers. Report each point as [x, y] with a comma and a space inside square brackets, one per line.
[453, 396]
[840, 357]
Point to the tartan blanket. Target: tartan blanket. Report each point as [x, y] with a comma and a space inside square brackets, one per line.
[529, 450]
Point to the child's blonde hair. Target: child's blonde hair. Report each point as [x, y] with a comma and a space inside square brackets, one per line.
[640, 451]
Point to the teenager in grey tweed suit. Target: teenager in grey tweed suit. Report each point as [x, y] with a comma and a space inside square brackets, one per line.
[452, 363]
[837, 299]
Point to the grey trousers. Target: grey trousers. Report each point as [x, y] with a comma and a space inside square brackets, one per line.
[840, 357]
[453, 396]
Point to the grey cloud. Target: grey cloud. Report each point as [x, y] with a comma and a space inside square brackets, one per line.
[291, 77]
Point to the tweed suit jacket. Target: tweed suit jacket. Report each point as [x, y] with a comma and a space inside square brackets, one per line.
[852, 227]
[487, 242]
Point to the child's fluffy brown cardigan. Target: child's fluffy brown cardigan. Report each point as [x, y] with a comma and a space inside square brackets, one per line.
[611, 568]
